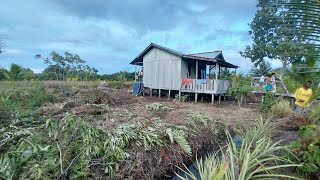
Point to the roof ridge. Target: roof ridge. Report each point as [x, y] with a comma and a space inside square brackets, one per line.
[206, 52]
[163, 47]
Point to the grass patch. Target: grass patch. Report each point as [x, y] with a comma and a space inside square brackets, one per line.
[281, 109]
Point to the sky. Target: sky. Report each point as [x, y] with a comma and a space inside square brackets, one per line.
[109, 34]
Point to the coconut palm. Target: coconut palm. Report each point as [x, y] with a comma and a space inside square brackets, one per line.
[14, 72]
[264, 67]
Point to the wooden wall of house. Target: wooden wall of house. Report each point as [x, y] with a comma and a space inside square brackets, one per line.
[184, 69]
[162, 70]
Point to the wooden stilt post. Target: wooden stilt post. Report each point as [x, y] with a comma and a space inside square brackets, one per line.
[202, 97]
[196, 98]
[159, 93]
[224, 97]
[135, 72]
[150, 92]
[212, 99]
[169, 93]
[143, 94]
[217, 71]
[179, 95]
[219, 98]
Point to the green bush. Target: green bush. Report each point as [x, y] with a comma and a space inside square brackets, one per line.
[280, 109]
[291, 84]
[307, 149]
[268, 102]
[315, 114]
[240, 91]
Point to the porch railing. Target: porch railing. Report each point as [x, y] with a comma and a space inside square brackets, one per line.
[205, 85]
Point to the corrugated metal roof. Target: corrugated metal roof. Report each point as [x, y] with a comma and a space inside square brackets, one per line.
[138, 60]
[212, 55]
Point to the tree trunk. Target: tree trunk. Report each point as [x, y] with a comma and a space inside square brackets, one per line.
[284, 67]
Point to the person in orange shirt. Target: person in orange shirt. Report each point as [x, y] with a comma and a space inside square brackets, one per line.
[302, 97]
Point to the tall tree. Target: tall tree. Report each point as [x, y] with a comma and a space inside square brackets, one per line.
[264, 67]
[276, 34]
[66, 65]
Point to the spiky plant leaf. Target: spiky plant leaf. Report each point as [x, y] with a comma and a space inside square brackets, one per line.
[180, 138]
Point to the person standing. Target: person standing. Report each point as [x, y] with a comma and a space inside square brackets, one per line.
[261, 82]
[268, 83]
[302, 97]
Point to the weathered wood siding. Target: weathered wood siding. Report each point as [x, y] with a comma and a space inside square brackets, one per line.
[162, 70]
[184, 70]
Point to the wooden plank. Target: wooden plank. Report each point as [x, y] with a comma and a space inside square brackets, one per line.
[276, 94]
[212, 99]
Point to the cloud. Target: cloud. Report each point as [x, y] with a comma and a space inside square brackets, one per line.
[13, 51]
[110, 34]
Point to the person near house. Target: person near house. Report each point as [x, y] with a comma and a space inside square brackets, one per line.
[302, 97]
[261, 82]
[268, 83]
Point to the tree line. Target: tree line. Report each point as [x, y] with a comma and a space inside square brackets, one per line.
[61, 67]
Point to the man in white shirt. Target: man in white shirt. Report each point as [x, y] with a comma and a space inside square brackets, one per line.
[261, 82]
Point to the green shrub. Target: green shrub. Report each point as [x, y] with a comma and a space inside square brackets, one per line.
[315, 114]
[280, 109]
[240, 92]
[267, 102]
[307, 149]
[291, 84]
[183, 97]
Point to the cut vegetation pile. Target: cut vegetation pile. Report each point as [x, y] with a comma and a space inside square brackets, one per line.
[99, 133]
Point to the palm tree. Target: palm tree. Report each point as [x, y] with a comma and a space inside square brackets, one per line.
[14, 72]
[264, 67]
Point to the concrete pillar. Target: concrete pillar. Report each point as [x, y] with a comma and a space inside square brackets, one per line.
[159, 93]
[196, 97]
[202, 97]
[150, 92]
[179, 95]
[219, 98]
[169, 93]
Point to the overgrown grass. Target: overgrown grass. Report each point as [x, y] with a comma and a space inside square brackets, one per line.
[280, 109]
[120, 84]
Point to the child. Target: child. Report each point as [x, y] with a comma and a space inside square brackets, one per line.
[268, 83]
